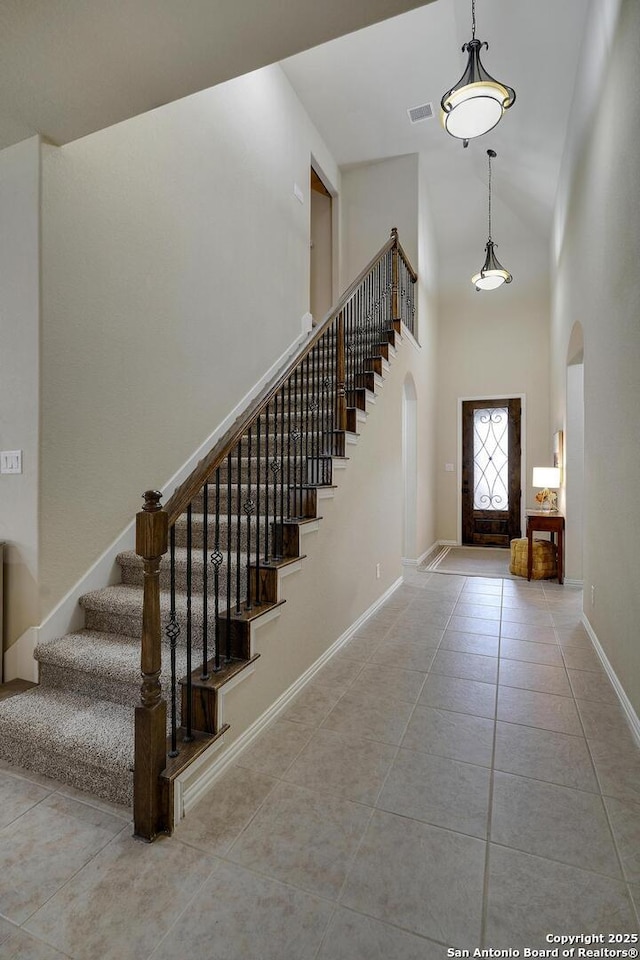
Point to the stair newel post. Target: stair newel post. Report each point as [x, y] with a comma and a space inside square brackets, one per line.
[395, 277]
[151, 716]
[341, 395]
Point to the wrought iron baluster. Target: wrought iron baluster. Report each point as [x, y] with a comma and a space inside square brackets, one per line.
[229, 495]
[188, 733]
[373, 349]
[366, 322]
[275, 470]
[352, 354]
[334, 374]
[282, 469]
[172, 631]
[290, 428]
[316, 403]
[205, 583]
[217, 559]
[297, 467]
[249, 508]
[258, 495]
[376, 306]
[305, 413]
[389, 286]
[238, 521]
[357, 306]
[325, 387]
[267, 465]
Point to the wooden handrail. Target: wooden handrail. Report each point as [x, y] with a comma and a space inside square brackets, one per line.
[184, 494]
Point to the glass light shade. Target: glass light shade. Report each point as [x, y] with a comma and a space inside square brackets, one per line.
[477, 101]
[474, 109]
[546, 477]
[490, 280]
[492, 274]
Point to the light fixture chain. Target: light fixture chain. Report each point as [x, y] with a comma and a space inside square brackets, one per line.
[473, 19]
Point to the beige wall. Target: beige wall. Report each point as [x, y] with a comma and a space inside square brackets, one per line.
[491, 344]
[19, 386]
[175, 271]
[596, 283]
[375, 198]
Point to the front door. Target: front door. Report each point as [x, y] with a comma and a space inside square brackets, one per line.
[490, 472]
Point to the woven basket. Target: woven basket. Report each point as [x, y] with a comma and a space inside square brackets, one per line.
[544, 559]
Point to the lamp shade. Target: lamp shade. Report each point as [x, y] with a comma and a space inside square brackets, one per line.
[546, 477]
[493, 273]
[477, 102]
[474, 109]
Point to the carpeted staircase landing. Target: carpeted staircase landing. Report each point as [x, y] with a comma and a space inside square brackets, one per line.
[77, 725]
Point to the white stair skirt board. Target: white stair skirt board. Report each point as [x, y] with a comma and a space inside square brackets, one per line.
[199, 777]
[407, 562]
[626, 704]
[19, 661]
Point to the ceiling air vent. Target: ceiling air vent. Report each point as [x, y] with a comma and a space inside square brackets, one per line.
[423, 112]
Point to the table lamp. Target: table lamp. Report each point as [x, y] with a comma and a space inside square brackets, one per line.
[548, 480]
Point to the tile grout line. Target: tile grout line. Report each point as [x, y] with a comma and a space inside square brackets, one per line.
[487, 866]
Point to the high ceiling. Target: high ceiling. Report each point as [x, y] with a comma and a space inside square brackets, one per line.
[358, 88]
[70, 67]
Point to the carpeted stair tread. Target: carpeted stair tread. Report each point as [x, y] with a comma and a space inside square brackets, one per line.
[94, 651]
[122, 603]
[76, 739]
[110, 655]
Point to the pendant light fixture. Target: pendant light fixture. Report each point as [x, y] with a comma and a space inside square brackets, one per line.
[476, 104]
[493, 274]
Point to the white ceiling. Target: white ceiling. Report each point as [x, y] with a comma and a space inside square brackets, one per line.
[357, 90]
[70, 67]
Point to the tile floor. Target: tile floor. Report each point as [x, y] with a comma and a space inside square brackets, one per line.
[460, 774]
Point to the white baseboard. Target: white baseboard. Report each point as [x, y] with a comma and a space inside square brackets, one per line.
[67, 615]
[194, 782]
[574, 583]
[627, 706]
[406, 562]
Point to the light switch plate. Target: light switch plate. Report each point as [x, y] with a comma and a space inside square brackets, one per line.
[10, 461]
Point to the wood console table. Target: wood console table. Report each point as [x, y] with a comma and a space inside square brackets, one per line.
[553, 523]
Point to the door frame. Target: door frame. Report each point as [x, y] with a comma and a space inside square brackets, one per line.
[334, 196]
[523, 454]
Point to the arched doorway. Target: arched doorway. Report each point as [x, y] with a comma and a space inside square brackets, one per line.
[574, 455]
[409, 467]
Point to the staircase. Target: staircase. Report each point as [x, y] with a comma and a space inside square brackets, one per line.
[207, 568]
